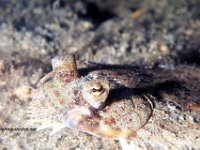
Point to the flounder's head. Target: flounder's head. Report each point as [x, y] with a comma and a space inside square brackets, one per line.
[120, 119]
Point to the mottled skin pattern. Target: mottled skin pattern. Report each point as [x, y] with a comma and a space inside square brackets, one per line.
[120, 119]
[175, 121]
[63, 98]
[154, 109]
[75, 103]
[49, 103]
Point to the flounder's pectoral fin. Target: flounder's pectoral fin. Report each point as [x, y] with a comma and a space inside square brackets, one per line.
[55, 128]
[42, 127]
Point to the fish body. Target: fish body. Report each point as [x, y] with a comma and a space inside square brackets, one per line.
[150, 109]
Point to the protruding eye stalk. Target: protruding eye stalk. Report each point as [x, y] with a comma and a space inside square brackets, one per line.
[96, 93]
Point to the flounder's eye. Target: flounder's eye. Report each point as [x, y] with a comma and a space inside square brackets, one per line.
[97, 88]
[95, 92]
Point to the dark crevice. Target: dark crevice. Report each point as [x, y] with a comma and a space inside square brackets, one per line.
[96, 15]
[191, 50]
